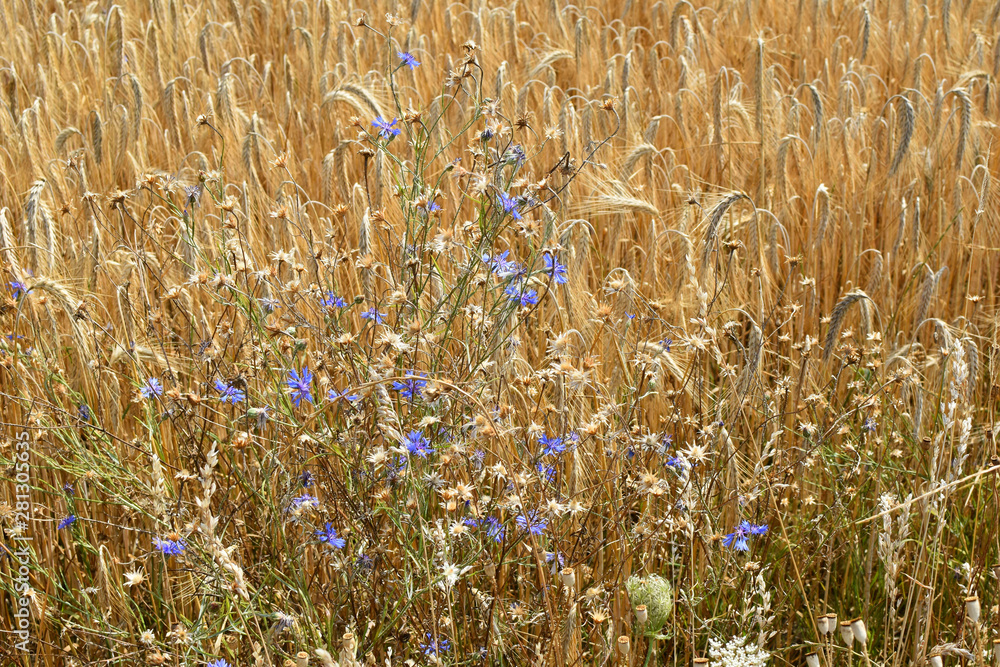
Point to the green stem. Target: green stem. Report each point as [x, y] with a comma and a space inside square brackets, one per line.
[649, 652]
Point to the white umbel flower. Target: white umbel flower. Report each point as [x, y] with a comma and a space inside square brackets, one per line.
[736, 653]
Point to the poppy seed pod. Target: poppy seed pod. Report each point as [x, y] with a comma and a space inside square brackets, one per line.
[860, 632]
[641, 614]
[972, 608]
[301, 659]
[831, 623]
[822, 625]
[935, 661]
[700, 662]
[812, 660]
[996, 651]
[568, 578]
[623, 645]
[846, 634]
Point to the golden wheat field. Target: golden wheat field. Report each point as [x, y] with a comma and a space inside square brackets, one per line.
[499, 333]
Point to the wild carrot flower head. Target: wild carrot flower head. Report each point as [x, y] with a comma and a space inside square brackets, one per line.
[657, 594]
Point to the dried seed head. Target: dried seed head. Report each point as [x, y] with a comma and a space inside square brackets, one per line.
[812, 660]
[623, 645]
[568, 578]
[972, 608]
[822, 625]
[301, 659]
[831, 623]
[996, 651]
[935, 661]
[641, 614]
[846, 634]
[859, 630]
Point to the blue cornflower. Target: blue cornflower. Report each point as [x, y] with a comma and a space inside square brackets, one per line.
[410, 387]
[417, 444]
[408, 60]
[555, 270]
[333, 396]
[152, 388]
[219, 663]
[300, 385]
[738, 540]
[331, 300]
[268, 304]
[666, 343]
[546, 471]
[328, 534]
[229, 393]
[374, 314]
[386, 129]
[305, 500]
[494, 528]
[753, 528]
[531, 522]
[501, 266]
[435, 646]
[509, 205]
[525, 297]
[84, 413]
[306, 478]
[515, 155]
[551, 446]
[675, 462]
[67, 522]
[170, 547]
[17, 288]
[870, 425]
